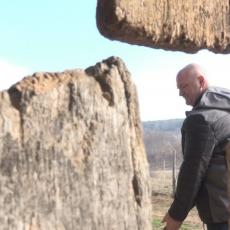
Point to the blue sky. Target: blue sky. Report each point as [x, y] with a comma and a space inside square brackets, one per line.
[48, 35]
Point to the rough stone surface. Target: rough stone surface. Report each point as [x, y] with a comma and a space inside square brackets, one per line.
[182, 25]
[71, 152]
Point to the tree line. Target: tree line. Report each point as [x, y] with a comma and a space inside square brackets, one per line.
[162, 140]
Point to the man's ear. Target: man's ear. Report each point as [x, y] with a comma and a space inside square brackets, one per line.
[202, 81]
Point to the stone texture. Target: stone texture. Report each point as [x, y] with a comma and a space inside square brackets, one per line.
[181, 25]
[71, 152]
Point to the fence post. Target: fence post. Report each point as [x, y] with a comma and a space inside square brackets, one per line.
[174, 174]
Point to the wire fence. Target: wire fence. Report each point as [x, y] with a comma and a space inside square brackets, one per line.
[162, 181]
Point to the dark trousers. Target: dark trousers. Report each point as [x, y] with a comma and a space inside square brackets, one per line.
[219, 226]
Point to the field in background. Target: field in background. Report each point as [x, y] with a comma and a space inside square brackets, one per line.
[161, 183]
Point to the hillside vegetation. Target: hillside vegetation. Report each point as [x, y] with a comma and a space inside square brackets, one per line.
[162, 139]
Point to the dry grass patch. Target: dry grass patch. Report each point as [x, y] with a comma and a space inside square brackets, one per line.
[162, 198]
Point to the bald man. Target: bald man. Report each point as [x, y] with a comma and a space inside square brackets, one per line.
[202, 179]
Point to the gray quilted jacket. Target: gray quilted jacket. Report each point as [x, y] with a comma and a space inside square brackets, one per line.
[202, 180]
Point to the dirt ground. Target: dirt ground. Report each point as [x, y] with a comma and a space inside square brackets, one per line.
[161, 203]
[161, 184]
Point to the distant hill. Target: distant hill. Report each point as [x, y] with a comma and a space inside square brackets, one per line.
[171, 125]
[162, 138]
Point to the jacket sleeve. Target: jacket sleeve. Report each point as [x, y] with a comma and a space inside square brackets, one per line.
[198, 145]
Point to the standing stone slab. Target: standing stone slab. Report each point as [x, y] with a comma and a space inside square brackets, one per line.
[71, 152]
[181, 25]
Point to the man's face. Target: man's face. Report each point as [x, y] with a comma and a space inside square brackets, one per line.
[189, 88]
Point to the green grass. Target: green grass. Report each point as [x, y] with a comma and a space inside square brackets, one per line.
[157, 225]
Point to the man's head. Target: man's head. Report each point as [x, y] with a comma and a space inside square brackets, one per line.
[191, 82]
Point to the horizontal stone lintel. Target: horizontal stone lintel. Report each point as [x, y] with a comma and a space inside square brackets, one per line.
[177, 25]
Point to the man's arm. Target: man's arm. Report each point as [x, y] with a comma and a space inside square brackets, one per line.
[199, 142]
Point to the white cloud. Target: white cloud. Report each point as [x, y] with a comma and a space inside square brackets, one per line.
[10, 74]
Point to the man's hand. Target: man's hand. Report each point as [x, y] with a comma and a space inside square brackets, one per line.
[171, 224]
